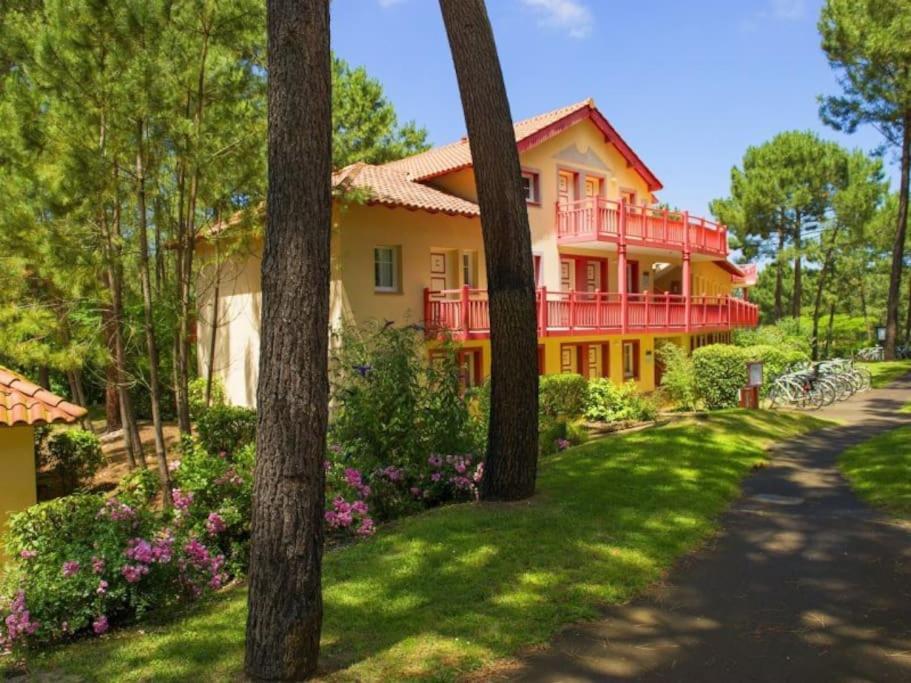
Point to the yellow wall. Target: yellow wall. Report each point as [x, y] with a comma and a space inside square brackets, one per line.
[17, 465]
[358, 229]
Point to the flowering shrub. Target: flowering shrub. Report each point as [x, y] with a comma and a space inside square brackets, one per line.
[392, 404]
[224, 428]
[82, 563]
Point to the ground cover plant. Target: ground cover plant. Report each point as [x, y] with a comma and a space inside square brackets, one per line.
[885, 372]
[438, 594]
[880, 470]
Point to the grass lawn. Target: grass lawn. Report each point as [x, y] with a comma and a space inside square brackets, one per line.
[880, 470]
[454, 589]
[885, 371]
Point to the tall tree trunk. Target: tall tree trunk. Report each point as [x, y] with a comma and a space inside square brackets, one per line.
[797, 294]
[830, 328]
[74, 378]
[898, 248]
[820, 286]
[145, 278]
[285, 595]
[44, 377]
[213, 336]
[512, 452]
[111, 401]
[779, 296]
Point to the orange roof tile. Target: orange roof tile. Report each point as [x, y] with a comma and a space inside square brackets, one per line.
[529, 133]
[24, 403]
[392, 187]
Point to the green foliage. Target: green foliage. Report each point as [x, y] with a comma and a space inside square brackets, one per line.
[392, 405]
[561, 397]
[720, 371]
[226, 429]
[75, 455]
[139, 487]
[608, 402]
[197, 395]
[788, 333]
[678, 381]
[775, 360]
[880, 470]
[364, 123]
[610, 519]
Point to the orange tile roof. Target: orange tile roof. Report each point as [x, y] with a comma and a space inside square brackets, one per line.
[24, 403]
[392, 187]
[529, 133]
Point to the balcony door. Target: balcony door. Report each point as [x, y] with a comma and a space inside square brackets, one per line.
[439, 270]
[593, 276]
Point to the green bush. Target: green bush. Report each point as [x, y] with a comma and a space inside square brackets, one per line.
[225, 429]
[560, 434]
[391, 403]
[788, 334]
[720, 372]
[197, 395]
[561, 397]
[75, 455]
[608, 402]
[776, 361]
[678, 381]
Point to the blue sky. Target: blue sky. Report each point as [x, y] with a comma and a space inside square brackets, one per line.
[688, 84]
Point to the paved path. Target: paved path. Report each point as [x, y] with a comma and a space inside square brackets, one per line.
[805, 583]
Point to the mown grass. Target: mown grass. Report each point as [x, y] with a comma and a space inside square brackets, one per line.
[880, 470]
[887, 371]
[442, 593]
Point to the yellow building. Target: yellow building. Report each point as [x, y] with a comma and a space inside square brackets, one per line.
[24, 406]
[616, 275]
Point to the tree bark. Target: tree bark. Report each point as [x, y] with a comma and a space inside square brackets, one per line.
[111, 400]
[512, 452]
[145, 278]
[213, 336]
[779, 305]
[797, 294]
[898, 248]
[285, 598]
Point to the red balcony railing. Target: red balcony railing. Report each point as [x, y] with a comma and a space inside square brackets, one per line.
[605, 220]
[464, 313]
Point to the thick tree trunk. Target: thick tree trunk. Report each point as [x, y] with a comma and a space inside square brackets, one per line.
[898, 249]
[779, 305]
[145, 278]
[512, 451]
[285, 595]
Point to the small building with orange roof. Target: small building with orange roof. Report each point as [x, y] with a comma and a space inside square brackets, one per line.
[24, 406]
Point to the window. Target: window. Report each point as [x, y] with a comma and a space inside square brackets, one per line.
[469, 274]
[530, 185]
[630, 360]
[386, 269]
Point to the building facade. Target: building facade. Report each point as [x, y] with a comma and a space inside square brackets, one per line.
[616, 275]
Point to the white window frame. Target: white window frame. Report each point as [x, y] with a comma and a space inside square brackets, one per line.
[394, 257]
[471, 265]
[533, 186]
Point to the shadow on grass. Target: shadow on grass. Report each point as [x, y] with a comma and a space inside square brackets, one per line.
[450, 590]
[880, 470]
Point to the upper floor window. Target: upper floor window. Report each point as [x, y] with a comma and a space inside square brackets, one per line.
[469, 269]
[530, 185]
[386, 269]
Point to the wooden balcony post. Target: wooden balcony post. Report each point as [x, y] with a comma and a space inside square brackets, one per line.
[622, 285]
[466, 313]
[667, 309]
[687, 281]
[598, 309]
[621, 220]
[648, 319]
[686, 232]
[542, 315]
[572, 309]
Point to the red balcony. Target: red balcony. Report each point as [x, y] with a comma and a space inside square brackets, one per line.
[464, 313]
[603, 220]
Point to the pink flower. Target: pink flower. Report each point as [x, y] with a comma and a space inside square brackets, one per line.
[100, 625]
[70, 568]
[139, 550]
[359, 507]
[215, 524]
[97, 565]
[366, 527]
[181, 500]
[478, 473]
[28, 554]
[174, 465]
[562, 444]
[435, 461]
[132, 573]
[416, 491]
[19, 620]
[117, 511]
[102, 587]
[436, 476]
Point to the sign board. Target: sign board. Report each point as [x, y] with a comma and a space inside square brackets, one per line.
[754, 373]
[880, 334]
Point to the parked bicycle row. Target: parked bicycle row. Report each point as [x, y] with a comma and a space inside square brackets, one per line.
[875, 353]
[814, 385]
